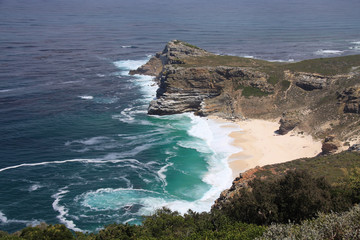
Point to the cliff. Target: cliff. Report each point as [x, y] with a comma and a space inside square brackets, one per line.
[319, 96]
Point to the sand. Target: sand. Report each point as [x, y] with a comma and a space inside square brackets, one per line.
[262, 146]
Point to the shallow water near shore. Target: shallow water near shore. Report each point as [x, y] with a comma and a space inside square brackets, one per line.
[76, 144]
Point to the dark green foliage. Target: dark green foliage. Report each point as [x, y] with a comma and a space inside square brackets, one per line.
[119, 231]
[50, 232]
[300, 196]
[285, 84]
[294, 197]
[251, 91]
[165, 224]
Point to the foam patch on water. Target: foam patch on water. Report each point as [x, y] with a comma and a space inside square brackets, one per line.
[328, 52]
[34, 187]
[127, 65]
[86, 97]
[5, 220]
[63, 212]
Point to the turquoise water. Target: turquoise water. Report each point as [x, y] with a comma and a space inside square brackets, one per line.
[76, 144]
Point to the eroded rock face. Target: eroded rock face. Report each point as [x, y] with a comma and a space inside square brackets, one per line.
[288, 122]
[307, 81]
[350, 97]
[187, 89]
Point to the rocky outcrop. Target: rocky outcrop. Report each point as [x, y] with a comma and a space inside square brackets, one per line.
[174, 53]
[152, 68]
[330, 145]
[354, 148]
[193, 80]
[288, 122]
[187, 89]
[307, 81]
[238, 183]
[350, 99]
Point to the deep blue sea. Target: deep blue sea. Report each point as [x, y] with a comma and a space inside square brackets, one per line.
[76, 144]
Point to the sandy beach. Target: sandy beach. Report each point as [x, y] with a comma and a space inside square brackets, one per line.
[262, 146]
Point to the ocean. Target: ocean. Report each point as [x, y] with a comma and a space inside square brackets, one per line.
[76, 144]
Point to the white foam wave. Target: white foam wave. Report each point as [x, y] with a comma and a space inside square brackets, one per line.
[5, 220]
[219, 175]
[6, 90]
[35, 187]
[356, 43]
[161, 174]
[90, 141]
[85, 97]
[107, 159]
[328, 52]
[128, 46]
[128, 65]
[148, 86]
[63, 212]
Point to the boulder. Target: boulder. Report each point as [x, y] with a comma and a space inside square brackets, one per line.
[330, 145]
[350, 99]
[288, 122]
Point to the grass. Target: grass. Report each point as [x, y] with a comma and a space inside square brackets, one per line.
[275, 70]
[186, 44]
[249, 91]
[334, 168]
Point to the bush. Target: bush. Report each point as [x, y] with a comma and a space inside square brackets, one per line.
[327, 226]
[294, 197]
[50, 232]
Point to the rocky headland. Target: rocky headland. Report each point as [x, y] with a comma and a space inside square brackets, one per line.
[320, 97]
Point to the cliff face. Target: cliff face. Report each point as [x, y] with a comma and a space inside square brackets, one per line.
[318, 96]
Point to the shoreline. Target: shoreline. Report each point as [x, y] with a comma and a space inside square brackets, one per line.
[262, 146]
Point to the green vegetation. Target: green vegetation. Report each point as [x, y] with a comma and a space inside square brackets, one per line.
[249, 91]
[335, 168]
[294, 197]
[285, 84]
[186, 44]
[275, 70]
[326, 226]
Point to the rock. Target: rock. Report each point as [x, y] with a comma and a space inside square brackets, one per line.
[188, 89]
[350, 99]
[354, 148]
[288, 122]
[174, 53]
[330, 145]
[307, 81]
[152, 68]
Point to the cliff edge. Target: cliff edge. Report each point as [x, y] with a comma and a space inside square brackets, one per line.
[319, 96]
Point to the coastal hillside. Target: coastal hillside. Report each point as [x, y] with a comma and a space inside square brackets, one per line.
[318, 96]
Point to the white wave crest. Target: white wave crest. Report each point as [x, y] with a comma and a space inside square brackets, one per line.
[35, 187]
[107, 159]
[328, 52]
[86, 97]
[5, 220]
[63, 212]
